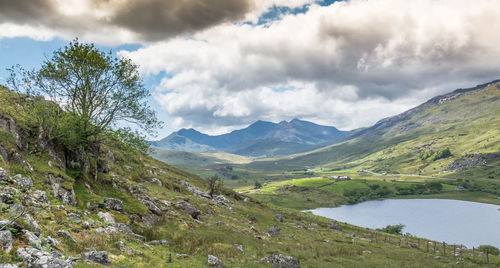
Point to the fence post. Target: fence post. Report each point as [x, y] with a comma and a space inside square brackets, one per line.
[473, 255]
[444, 248]
[418, 245]
[434, 246]
[461, 250]
[427, 245]
[487, 257]
[454, 249]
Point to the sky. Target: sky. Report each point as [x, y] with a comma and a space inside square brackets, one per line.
[219, 65]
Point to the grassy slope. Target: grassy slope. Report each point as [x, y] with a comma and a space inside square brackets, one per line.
[134, 169]
[467, 124]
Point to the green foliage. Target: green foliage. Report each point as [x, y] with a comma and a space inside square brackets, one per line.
[131, 139]
[426, 154]
[491, 249]
[443, 153]
[257, 185]
[393, 229]
[215, 184]
[90, 91]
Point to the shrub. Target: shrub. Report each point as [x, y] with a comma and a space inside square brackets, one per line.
[443, 153]
[393, 229]
[491, 249]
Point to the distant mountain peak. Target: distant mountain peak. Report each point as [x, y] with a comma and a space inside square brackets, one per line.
[285, 133]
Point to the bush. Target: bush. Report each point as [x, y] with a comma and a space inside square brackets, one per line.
[443, 153]
[491, 249]
[393, 229]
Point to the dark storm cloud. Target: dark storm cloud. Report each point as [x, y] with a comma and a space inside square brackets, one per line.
[149, 20]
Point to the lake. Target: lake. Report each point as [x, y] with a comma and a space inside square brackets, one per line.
[451, 221]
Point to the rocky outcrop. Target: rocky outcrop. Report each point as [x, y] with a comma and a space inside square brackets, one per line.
[471, 161]
[22, 183]
[35, 258]
[113, 204]
[100, 257]
[196, 191]
[278, 217]
[6, 241]
[106, 217]
[214, 261]
[152, 206]
[274, 231]
[188, 208]
[67, 196]
[282, 261]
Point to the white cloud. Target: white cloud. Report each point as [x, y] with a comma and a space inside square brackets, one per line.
[348, 64]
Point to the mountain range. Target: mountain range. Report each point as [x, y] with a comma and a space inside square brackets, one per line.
[259, 139]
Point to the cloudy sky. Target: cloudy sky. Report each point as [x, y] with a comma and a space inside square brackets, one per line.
[218, 65]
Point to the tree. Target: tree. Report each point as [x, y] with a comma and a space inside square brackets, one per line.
[214, 184]
[95, 91]
[393, 229]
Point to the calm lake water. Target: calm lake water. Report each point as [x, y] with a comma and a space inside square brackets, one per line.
[452, 221]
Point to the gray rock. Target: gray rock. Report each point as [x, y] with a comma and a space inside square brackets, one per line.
[152, 206]
[13, 225]
[214, 261]
[67, 196]
[35, 258]
[335, 226]
[110, 156]
[239, 247]
[274, 231]
[6, 241]
[181, 256]
[88, 224]
[150, 220]
[40, 196]
[113, 204]
[33, 240]
[23, 183]
[8, 265]
[6, 198]
[32, 223]
[156, 181]
[158, 242]
[188, 208]
[196, 191]
[282, 261]
[106, 217]
[3, 174]
[278, 217]
[121, 246]
[66, 235]
[100, 257]
[4, 155]
[221, 201]
[52, 242]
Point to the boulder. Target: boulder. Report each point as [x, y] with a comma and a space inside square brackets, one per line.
[6, 241]
[12, 225]
[188, 208]
[195, 191]
[221, 200]
[3, 174]
[33, 240]
[110, 156]
[23, 183]
[282, 261]
[67, 196]
[100, 257]
[40, 196]
[113, 204]
[156, 181]
[103, 166]
[278, 217]
[274, 231]
[35, 258]
[335, 226]
[152, 206]
[66, 235]
[4, 154]
[214, 261]
[158, 242]
[32, 223]
[106, 217]
[8, 265]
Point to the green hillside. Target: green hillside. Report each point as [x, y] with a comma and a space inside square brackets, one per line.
[465, 122]
[141, 212]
